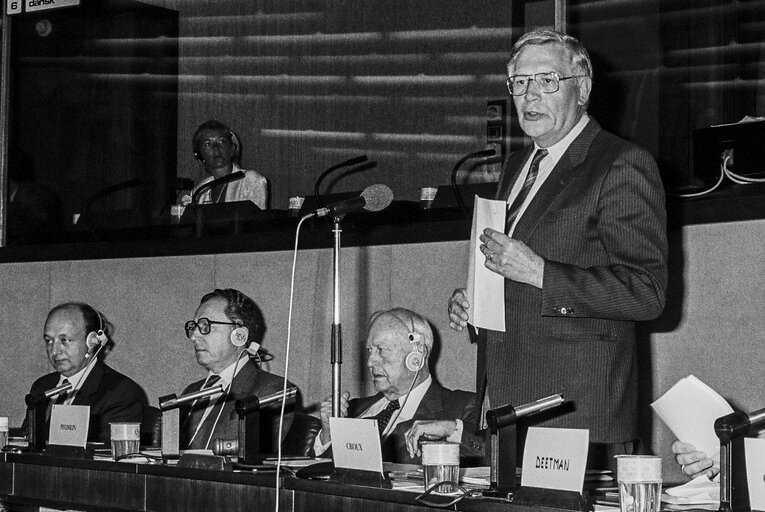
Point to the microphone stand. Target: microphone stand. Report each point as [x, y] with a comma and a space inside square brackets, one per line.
[337, 338]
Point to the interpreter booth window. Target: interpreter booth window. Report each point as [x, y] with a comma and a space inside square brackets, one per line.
[106, 98]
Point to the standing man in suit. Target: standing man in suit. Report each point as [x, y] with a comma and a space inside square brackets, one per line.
[410, 406]
[584, 255]
[225, 332]
[75, 338]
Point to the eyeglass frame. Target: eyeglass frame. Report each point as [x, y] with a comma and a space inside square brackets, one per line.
[533, 78]
[189, 329]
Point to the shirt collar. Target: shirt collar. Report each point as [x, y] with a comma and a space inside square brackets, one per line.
[556, 150]
[78, 379]
[411, 402]
[227, 374]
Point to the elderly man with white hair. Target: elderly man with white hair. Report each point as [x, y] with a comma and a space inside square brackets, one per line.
[409, 406]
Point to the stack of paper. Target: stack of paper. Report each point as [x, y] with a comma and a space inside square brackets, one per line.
[690, 409]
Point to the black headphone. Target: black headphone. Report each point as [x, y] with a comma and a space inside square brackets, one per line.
[96, 338]
[415, 360]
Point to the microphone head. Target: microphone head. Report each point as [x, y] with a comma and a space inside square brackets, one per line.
[377, 197]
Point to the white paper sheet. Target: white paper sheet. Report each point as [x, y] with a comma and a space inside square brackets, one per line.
[356, 444]
[485, 289]
[755, 472]
[690, 409]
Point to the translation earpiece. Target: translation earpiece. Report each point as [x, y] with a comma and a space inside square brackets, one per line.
[415, 360]
[239, 336]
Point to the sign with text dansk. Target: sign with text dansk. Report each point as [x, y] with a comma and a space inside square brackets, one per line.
[19, 6]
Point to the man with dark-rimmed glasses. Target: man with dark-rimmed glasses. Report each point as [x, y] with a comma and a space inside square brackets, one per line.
[225, 333]
[583, 255]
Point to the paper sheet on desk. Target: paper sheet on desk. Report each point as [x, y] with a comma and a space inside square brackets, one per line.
[485, 289]
[699, 491]
[690, 409]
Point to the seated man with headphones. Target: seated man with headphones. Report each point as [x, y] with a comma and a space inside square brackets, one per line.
[76, 339]
[217, 148]
[225, 332]
[410, 406]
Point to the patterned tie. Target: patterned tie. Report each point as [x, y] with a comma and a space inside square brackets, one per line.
[384, 416]
[515, 208]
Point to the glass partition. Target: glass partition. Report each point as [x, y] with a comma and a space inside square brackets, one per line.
[105, 98]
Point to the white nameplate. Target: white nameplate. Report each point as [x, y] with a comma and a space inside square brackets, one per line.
[755, 472]
[356, 444]
[69, 425]
[555, 458]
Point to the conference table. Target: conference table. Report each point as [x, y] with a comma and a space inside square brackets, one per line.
[29, 480]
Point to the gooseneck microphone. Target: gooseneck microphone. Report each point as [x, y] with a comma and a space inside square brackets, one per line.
[478, 154]
[169, 402]
[347, 163]
[372, 199]
[238, 175]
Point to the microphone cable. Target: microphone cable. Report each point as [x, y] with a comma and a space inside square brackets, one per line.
[75, 387]
[287, 361]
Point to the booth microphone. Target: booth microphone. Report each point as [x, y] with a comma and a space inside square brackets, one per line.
[372, 199]
[478, 154]
[238, 175]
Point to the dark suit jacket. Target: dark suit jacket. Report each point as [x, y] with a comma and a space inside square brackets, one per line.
[438, 403]
[599, 221]
[249, 381]
[112, 397]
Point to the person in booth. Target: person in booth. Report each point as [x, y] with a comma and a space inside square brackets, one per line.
[76, 339]
[225, 334]
[410, 406]
[583, 255]
[217, 148]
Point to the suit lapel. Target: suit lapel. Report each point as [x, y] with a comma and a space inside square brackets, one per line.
[90, 385]
[565, 170]
[509, 176]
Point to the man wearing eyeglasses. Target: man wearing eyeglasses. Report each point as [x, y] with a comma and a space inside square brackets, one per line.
[225, 332]
[583, 255]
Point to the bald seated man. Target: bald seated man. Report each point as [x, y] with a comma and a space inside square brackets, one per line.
[77, 337]
[409, 403]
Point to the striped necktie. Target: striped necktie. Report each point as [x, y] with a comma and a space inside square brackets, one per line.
[515, 208]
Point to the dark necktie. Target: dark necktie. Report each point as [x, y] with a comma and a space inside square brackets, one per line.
[384, 416]
[64, 394]
[201, 434]
[515, 208]
[202, 403]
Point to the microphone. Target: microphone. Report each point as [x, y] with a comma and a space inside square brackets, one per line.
[113, 188]
[347, 163]
[105, 192]
[507, 414]
[244, 406]
[58, 390]
[169, 402]
[478, 154]
[238, 175]
[372, 199]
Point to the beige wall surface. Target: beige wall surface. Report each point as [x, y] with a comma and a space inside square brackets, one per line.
[713, 326]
